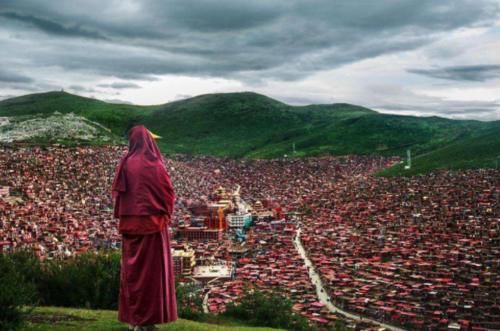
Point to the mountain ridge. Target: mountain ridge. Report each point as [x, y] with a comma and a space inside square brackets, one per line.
[248, 124]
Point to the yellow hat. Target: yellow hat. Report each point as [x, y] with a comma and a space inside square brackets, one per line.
[155, 136]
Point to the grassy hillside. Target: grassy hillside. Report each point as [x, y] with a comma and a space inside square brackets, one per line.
[478, 152]
[253, 125]
[57, 127]
[68, 319]
[114, 116]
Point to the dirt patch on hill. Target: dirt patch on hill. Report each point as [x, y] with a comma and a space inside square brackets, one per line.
[46, 318]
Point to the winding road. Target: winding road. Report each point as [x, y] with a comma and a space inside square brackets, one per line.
[321, 291]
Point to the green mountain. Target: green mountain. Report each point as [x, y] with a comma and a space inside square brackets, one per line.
[252, 125]
[113, 116]
[478, 152]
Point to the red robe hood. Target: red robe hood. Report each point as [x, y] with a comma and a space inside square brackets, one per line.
[142, 185]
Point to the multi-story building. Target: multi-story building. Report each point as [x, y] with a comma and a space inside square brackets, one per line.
[238, 221]
[184, 259]
[200, 233]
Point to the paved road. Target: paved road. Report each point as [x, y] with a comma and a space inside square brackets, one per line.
[321, 291]
[205, 303]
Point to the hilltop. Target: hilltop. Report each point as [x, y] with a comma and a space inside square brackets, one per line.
[248, 124]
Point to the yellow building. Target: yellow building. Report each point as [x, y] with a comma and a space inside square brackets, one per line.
[184, 260]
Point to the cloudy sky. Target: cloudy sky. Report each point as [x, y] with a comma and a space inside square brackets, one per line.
[421, 57]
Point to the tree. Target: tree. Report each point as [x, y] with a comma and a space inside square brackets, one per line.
[17, 295]
[271, 309]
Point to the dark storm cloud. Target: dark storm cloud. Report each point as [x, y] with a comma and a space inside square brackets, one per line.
[477, 73]
[52, 27]
[54, 43]
[8, 76]
[248, 40]
[218, 16]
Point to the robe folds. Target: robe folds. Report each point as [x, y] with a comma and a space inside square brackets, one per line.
[144, 201]
[147, 281]
[142, 185]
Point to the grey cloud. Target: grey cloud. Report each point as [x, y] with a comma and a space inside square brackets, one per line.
[488, 110]
[254, 42]
[298, 100]
[119, 101]
[7, 96]
[81, 89]
[402, 100]
[52, 27]
[8, 76]
[119, 85]
[216, 16]
[477, 73]
[247, 40]
[182, 96]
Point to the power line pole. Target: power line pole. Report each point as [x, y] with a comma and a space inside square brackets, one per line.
[408, 159]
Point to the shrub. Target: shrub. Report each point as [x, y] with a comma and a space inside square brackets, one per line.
[17, 295]
[189, 301]
[273, 309]
[88, 280]
[27, 264]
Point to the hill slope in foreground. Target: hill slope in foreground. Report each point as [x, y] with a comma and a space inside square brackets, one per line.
[252, 125]
[70, 319]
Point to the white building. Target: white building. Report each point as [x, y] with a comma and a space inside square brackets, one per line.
[242, 216]
[220, 270]
[4, 191]
[238, 221]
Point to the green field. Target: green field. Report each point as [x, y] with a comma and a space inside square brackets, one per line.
[70, 319]
[251, 125]
[477, 152]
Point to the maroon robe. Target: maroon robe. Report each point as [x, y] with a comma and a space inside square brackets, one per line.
[147, 280]
[144, 193]
[142, 185]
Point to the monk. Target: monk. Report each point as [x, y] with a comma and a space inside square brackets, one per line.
[144, 202]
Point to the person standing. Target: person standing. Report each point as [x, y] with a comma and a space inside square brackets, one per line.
[143, 201]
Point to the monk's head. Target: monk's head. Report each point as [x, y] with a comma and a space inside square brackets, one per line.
[142, 141]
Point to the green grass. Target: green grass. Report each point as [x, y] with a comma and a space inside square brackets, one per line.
[476, 152]
[70, 319]
[114, 116]
[252, 125]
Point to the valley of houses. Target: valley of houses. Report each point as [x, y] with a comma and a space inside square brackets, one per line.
[418, 253]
